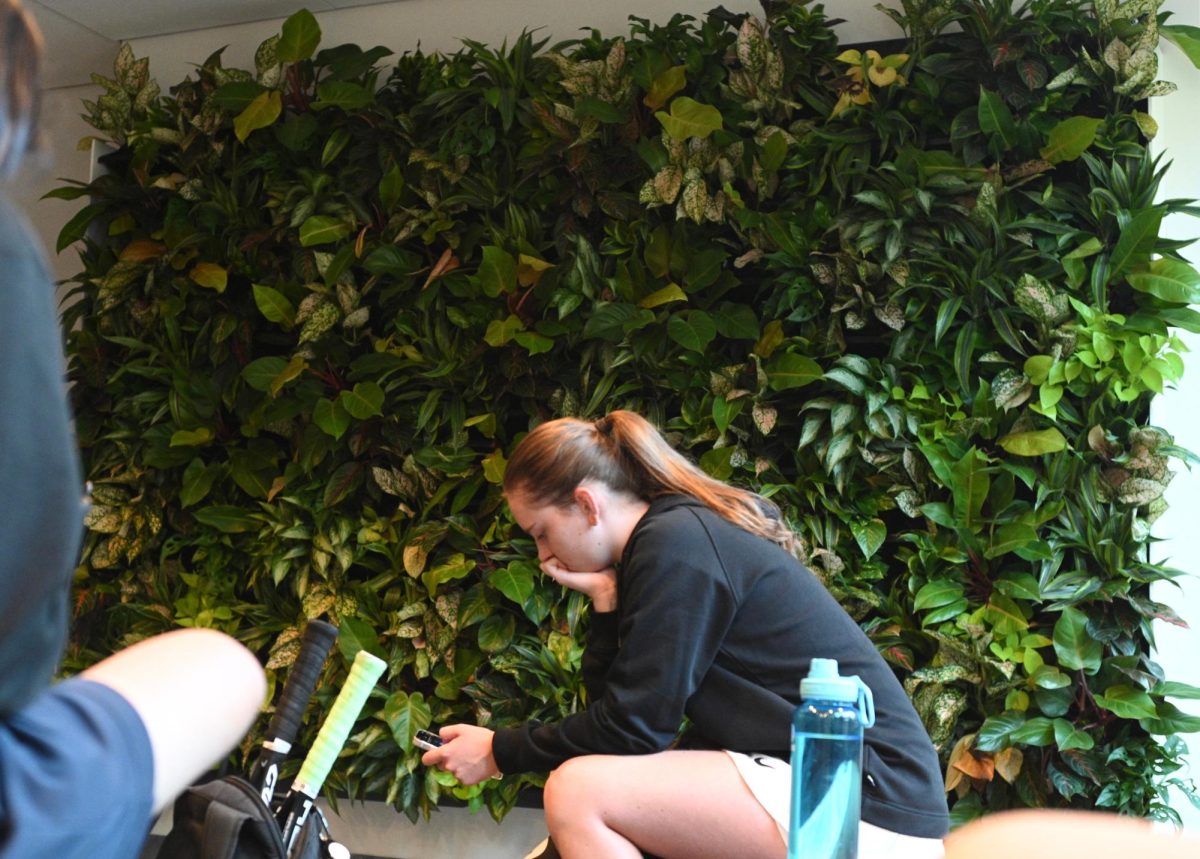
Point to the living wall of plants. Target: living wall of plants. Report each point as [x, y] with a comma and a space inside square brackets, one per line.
[914, 292]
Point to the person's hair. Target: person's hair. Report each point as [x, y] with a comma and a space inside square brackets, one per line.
[20, 87]
[627, 454]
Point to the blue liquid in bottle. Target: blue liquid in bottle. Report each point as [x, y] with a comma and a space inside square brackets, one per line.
[827, 736]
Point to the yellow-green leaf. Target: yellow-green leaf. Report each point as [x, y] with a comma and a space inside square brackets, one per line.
[191, 438]
[689, 118]
[260, 113]
[1071, 138]
[1034, 443]
[664, 86]
[209, 275]
[670, 292]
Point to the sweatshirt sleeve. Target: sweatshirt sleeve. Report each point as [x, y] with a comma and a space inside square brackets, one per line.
[599, 653]
[675, 607]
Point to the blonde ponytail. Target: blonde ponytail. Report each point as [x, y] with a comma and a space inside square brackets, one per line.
[625, 452]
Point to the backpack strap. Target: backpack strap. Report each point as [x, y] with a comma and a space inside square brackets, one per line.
[222, 827]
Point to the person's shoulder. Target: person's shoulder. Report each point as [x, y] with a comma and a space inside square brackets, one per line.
[672, 524]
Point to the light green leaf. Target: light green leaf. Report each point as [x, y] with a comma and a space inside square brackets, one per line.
[534, 343]
[501, 331]
[996, 119]
[670, 292]
[1076, 649]
[690, 118]
[1136, 241]
[1034, 442]
[936, 594]
[260, 113]
[191, 438]
[405, 715]
[1175, 689]
[209, 275]
[1071, 138]
[514, 581]
[364, 401]
[869, 535]
[497, 272]
[1068, 737]
[274, 305]
[1009, 538]
[788, 370]
[1184, 37]
[322, 229]
[1169, 279]
[226, 518]
[331, 417]
[1128, 702]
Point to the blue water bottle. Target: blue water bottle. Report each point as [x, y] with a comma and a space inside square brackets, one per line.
[827, 738]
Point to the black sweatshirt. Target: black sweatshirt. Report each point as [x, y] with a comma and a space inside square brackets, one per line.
[719, 625]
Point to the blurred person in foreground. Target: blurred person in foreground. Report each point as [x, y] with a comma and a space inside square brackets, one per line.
[86, 763]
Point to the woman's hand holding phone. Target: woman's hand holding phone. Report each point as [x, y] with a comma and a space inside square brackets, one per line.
[465, 752]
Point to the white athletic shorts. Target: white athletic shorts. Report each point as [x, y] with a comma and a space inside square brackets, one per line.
[770, 780]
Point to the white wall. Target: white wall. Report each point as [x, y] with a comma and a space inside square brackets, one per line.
[58, 156]
[1177, 410]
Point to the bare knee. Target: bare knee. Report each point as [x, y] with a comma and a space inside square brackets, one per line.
[571, 791]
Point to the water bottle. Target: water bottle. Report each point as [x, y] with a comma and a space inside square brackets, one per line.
[827, 738]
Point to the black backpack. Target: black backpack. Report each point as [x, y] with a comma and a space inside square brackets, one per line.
[227, 819]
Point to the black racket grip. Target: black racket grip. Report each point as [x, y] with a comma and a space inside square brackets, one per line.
[302, 679]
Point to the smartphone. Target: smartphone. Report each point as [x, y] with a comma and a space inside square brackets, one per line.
[427, 740]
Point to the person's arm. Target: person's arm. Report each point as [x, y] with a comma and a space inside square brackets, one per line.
[1061, 834]
[197, 692]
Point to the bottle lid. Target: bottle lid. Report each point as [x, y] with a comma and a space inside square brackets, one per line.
[824, 683]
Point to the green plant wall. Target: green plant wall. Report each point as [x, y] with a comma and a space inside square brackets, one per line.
[915, 292]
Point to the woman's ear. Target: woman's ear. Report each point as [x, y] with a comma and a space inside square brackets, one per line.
[587, 499]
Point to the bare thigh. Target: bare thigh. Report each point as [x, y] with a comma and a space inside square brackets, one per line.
[690, 804]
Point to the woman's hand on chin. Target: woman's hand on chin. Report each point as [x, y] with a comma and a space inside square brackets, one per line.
[599, 586]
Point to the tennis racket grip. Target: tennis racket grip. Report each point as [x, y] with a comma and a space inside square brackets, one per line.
[318, 639]
[364, 673]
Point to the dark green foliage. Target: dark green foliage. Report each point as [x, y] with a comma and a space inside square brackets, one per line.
[917, 295]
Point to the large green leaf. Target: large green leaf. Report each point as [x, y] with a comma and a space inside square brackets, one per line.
[1168, 279]
[1128, 702]
[692, 329]
[1136, 241]
[364, 401]
[1076, 648]
[322, 229]
[1071, 138]
[788, 370]
[996, 119]
[497, 272]
[406, 714]
[514, 581]
[1186, 38]
[299, 39]
[226, 518]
